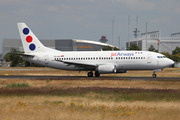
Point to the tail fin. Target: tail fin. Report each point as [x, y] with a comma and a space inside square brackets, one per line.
[30, 42]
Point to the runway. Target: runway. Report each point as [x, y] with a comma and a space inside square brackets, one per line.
[85, 78]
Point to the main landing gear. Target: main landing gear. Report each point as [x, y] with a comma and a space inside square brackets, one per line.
[97, 74]
[90, 74]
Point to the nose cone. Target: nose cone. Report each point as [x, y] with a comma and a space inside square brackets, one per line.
[170, 62]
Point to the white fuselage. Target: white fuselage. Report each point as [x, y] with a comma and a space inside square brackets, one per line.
[124, 60]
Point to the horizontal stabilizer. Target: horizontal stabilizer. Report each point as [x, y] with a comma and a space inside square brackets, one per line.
[21, 54]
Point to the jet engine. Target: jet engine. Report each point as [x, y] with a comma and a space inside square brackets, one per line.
[108, 68]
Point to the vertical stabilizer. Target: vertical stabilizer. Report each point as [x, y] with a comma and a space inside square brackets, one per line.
[30, 42]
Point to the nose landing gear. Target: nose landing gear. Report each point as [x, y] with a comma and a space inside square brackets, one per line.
[154, 75]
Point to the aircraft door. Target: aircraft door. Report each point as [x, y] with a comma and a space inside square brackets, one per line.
[149, 58]
[46, 59]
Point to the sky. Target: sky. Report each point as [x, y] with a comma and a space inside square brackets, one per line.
[88, 19]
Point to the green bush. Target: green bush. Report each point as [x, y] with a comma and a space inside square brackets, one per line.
[18, 85]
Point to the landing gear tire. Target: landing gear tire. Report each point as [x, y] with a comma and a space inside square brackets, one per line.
[97, 74]
[90, 74]
[154, 75]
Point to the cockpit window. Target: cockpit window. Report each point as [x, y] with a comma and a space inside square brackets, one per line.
[161, 56]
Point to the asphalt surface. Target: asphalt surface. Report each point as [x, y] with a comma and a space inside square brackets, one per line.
[84, 78]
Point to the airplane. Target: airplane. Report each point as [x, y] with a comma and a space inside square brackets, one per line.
[102, 62]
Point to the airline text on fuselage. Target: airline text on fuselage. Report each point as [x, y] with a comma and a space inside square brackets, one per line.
[122, 54]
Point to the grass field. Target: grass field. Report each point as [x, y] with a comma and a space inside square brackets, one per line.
[88, 99]
[55, 108]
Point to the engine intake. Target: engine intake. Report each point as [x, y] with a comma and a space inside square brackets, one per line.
[108, 68]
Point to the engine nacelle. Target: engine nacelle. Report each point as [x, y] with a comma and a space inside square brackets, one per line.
[108, 68]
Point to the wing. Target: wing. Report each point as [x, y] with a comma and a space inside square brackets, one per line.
[87, 66]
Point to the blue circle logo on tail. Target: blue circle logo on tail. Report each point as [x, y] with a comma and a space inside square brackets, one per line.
[32, 47]
[26, 31]
[29, 39]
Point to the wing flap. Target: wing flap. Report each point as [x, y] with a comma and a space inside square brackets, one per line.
[78, 64]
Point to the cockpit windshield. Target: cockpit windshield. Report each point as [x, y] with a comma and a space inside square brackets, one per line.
[161, 56]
